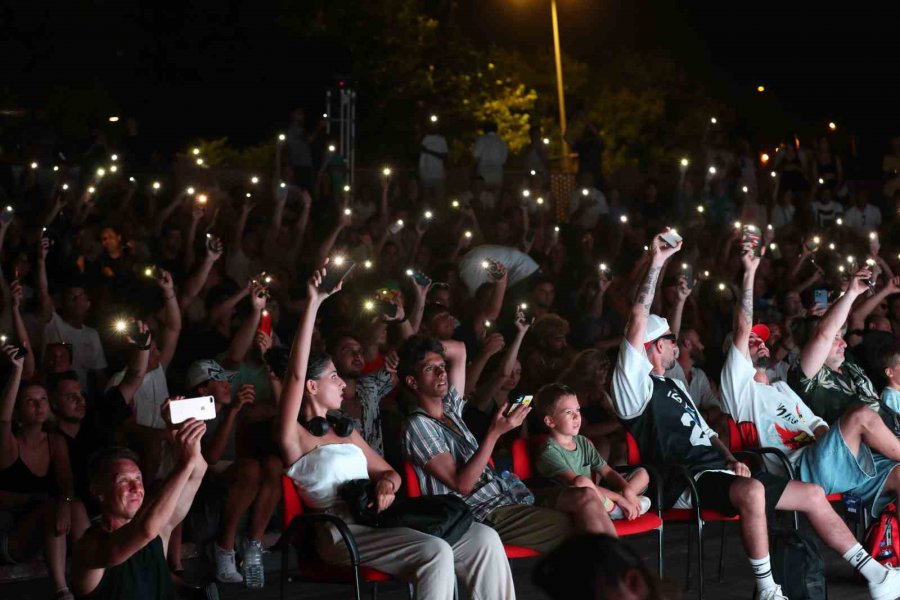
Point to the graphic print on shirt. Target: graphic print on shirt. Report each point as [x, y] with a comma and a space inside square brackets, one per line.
[689, 419]
[792, 438]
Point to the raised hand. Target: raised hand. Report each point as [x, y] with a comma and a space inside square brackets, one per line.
[661, 250]
[858, 283]
[12, 353]
[246, 395]
[165, 283]
[15, 289]
[504, 424]
[313, 290]
[391, 362]
[493, 344]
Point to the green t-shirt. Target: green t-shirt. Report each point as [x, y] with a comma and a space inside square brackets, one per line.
[554, 460]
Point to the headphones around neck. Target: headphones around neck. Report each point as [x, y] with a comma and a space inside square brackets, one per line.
[339, 422]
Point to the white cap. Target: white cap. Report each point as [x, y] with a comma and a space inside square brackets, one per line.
[656, 328]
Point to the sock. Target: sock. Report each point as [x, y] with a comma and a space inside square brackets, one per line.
[762, 570]
[862, 561]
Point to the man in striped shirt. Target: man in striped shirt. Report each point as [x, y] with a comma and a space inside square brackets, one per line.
[448, 459]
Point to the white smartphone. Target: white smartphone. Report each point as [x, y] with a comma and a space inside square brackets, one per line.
[202, 408]
[671, 238]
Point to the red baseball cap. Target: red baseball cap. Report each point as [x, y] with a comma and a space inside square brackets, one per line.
[761, 330]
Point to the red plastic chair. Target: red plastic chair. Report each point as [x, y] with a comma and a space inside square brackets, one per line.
[688, 516]
[523, 451]
[413, 490]
[749, 435]
[295, 522]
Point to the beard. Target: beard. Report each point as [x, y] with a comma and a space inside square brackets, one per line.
[697, 356]
[762, 362]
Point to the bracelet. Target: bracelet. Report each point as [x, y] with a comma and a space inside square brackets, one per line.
[172, 297]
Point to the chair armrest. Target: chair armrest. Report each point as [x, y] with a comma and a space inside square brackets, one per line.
[759, 453]
[341, 525]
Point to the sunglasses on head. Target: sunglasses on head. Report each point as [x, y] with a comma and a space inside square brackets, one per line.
[669, 336]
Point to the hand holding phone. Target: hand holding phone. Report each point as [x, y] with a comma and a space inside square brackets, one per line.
[335, 272]
[202, 408]
[671, 238]
[523, 401]
[752, 236]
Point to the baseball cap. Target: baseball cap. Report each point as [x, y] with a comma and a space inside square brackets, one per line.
[761, 330]
[656, 328]
[205, 370]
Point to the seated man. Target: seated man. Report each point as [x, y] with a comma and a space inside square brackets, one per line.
[123, 556]
[827, 381]
[448, 459]
[668, 428]
[839, 459]
[890, 395]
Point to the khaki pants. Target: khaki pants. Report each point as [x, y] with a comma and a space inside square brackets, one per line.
[536, 527]
[477, 559]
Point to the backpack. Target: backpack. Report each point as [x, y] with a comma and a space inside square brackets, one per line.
[797, 564]
[882, 538]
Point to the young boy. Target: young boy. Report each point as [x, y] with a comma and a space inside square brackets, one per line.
[890, 395]
[573, 459]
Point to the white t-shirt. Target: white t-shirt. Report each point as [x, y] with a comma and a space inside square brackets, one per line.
[518, 266]
[782, 419]
[87, 351]
[431, 168]
[862, 221]
[633, 389]
[699, 388]
[490, 154]
[825, 214]
[149, 398]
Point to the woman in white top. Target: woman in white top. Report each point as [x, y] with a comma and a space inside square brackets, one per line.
[320, 464]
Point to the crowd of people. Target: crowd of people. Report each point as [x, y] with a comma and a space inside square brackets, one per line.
[342, 331]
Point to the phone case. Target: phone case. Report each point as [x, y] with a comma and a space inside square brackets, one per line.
[751, 235]
[688, 273]
[523, 400]
[202, 409]
[265, 322]
[671, 238]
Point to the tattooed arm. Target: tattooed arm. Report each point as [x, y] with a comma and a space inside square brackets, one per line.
[640, 310]
[743, 312]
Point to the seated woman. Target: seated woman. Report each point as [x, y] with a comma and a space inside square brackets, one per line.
[36, 483]
[324, 452]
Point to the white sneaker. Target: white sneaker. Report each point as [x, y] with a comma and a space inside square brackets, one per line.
[226, 570]
[770, 594]
[616, 513]
[645, 504]
[889, 589]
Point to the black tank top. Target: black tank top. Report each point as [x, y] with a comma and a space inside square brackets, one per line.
[144, 576]
[18, 478]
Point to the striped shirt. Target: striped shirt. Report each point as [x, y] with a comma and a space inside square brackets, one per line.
[424, 437]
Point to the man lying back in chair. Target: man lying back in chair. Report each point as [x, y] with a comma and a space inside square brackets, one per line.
[668, 428]
[838, 459]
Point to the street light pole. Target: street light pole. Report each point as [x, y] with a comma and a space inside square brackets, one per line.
[559, 86]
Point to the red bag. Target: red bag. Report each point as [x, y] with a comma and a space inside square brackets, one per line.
[882, 539]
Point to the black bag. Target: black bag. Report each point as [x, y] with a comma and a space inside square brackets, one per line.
[797, 564]
[444, 516]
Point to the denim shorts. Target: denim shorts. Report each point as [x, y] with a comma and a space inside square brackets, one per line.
[830, 464]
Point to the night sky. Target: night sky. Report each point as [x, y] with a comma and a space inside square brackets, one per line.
[218, 67]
